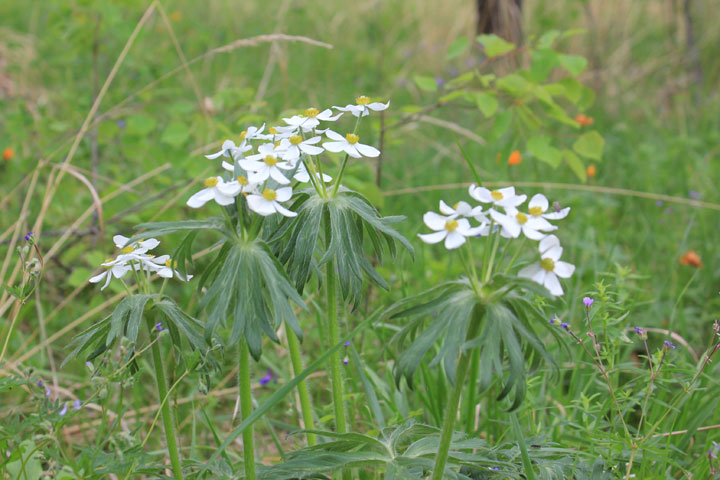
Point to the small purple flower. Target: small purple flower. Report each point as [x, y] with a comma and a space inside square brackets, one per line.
[669, 345]
[435, 314]
[29, 236]
[588, 301]
[64, 410]
[347, 344]
[159, 327]
[552, 320]
[77, 404]
[40, 383]
[565, 325]
[494, 469]
[267, 378]
[440, 82]
[658, 203]
[89, 365]
[694, 194]
[47, 392]
[121, 123]
[346, 360]
[639, 330]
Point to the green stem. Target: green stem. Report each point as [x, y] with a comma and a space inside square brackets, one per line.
[488, 274]
[488, 247]
[517, 254]
[334, 333]
[472, 388]
[246, 408]
[340, 175]
[451, 407]
[297, 367]
[167, 414]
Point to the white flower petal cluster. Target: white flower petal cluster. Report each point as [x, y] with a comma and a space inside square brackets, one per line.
[504, 216]
[282, 154]
[134, 256]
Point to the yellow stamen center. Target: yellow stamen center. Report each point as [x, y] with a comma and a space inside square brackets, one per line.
[352, 138]
[535, 211]
[312, 112]
[211, 182]
[243, 134]
[269, 194]
[273, 131]
[168, 262]
[521, 218]
[128, 249]
[496, 195]
[242, 180]
[451, 225]
[296, 139]
[270, 161]
[108, 260]
[277, 143]
[363, 100]
[548, 264]
[455, 207]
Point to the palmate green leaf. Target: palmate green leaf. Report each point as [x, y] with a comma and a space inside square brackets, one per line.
[340, 225]
[251, 289]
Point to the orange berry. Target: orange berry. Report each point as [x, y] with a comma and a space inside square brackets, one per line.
[591, 170]
[8, 154]
[584, 120]
[515, 158]
[691, 258]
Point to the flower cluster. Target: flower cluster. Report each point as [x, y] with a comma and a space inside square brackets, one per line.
[134, 256]
[500, 213]
[262, 166]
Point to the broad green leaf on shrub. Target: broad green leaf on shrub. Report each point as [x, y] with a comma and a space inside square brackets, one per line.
[573, 89]
[140, 124]
[425, 83]
[575, 64]
[494, 45]
[27, 465]
[543, 61]
[548, 38]
[176, 134]
[514, 84]
[590, 145]
[457, 48]
[487, 103]
[575, 164]
[540, 147]
[587, 98]
[501, 124]
[461, 80]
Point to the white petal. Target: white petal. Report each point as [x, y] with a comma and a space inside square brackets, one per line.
[446, 209]
[539, 200]
[367, 150]
[98, 277]
[463, 226]
[507, 192]
[120, 241]
[335, 136]
[553, 284]
[283, 194]
[512, 201]
[434, 221]
[454, 240]
[284, 211]
[258, 204]
[229, 189]
[334, 147]
[531, 233]
[311, 149]
[377, 106]
[564, 269]
[223, 199]
[534, 272]
[557, 215]
[351, 150]
[509, 224]
[548, 242]
[433, 237]
[213, 156]
[277, 175]
[228, 166]
[464, 209]
[554, 253]
[200, 198]
[539, 223]
[481, 194]
[251, 165]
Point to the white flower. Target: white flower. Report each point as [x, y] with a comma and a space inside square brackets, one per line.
[311, 119]
[139, 247]
[295, 144]
[216, 189]
[363, 106]
[229, 149]
[349, 144]
[448, 229]
[463, 209]
[113, 268]
[549, 268]
[513, 222]
[538, 206]
[504, 197]
[163, 266]
[264, 165]
[268, 202]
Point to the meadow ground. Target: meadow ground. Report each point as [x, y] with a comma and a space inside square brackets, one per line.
[106, 111]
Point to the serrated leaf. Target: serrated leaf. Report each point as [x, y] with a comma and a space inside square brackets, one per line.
[457, 48]
[590, 145]
[540, 147]
[494, 45]
[425, 83]
[487, 103]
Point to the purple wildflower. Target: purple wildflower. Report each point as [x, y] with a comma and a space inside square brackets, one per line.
[346, 360]
[40, 383]
[347, 344]
[121, 123]
[267, 378]
[694, 194]
[439, 81]
[639, 330]
[669, 345]
[77, 404]
[552, 320]
[565, 325]
[47, 392]
[64, 410]
[588, 301]
[494, 469]
[29, 236]
[159, 327]
[658, 203]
